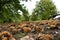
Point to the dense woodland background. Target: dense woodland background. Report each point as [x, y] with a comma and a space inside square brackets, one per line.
[44, 10]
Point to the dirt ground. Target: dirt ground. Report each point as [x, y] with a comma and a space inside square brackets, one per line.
[36, 30]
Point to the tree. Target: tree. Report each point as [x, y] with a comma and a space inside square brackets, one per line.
[9, 10]
[44, 10]
[33, 17]
[25, 16]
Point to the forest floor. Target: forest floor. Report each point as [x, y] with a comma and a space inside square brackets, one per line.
[36, 30]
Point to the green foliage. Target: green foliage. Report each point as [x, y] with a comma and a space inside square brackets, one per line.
[33, 17]
[25, 15]
[9, 11]
[44, 10]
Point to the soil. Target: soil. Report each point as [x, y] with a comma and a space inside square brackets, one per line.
[35, 30]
